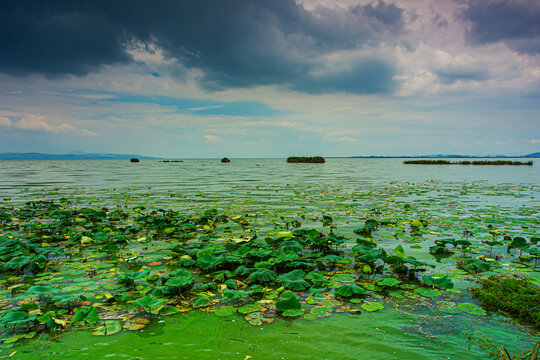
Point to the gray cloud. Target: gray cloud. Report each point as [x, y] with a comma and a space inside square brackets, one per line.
[236, 43]
[515, 22]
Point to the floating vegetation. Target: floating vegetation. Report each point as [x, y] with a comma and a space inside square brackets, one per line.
[65, 266]
[512, 296]
[303, 159]
[294, 253]
[474, 162]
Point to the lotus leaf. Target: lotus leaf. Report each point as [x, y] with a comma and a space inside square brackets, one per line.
[136, 323]
[242, 271]
[372, 306]
[443, 282]
[317, 279]
[109, 327]
[257, 319]
[86, 314]
[17, 337]
[349, 290]
[16, 318]
[249, 308]
[417, 224]
[294, 280]
[471, 309]
[201, 301]
[235, 294]
[206, 259]
[291, 245]
[388, 282]
[262, 276]
[43, 290]
[427, 292]
[225, 311]
[181, 279]
[231, 284]
[287, 301]
[147, 301]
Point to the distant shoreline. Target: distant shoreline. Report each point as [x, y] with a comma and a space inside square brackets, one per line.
[89, 156]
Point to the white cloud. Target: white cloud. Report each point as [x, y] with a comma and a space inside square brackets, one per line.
[535, 141]
[88, 132]
[347, 139]
[211, 138]
[31, 122]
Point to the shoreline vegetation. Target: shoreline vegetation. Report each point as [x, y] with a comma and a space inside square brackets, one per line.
[477, 162]
[306, 159]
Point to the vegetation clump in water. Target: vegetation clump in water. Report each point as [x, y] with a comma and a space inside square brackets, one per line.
[304, 159]
[513, 296]
[122, 267]
[476, 162]
[225, 160]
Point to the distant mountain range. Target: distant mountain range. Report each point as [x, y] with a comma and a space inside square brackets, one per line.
[449, 156]
[75, 155]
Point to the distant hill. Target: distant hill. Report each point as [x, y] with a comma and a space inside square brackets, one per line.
[76, 155]
[533, 155]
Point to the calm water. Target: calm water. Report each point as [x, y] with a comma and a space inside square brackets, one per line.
[277, 189]
[211, 175]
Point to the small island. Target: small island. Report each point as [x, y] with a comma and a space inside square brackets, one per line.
[306, 159]
[476, 162]
[134, 160]
[225, 160]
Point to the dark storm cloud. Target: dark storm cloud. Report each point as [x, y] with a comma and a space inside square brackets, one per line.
[236, 43]
[516, 22]
[56, 38]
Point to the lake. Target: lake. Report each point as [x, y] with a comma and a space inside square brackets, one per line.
[272, 196]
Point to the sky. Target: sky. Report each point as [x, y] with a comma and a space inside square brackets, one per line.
[263, 78]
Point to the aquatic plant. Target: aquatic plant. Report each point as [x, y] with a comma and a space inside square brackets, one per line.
[305, 159]
[513, 296]
[136, 264]
[476, 162]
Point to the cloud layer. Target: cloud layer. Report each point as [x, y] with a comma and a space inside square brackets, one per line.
[270, 77]
[234, 43]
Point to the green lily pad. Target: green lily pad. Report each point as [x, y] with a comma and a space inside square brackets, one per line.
[109, 327]
[471, 309]
[320, 311]
[257, 319]
[389, 282]
[310, 316]
[168, 310]
[427, 292]
[136, 323]
[201, 301]
[86, 314]
[372, 306]
[249, 308]
[288, 301]
[225, 311]
[18, 337]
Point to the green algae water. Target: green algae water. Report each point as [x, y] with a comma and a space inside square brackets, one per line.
[268, 197]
